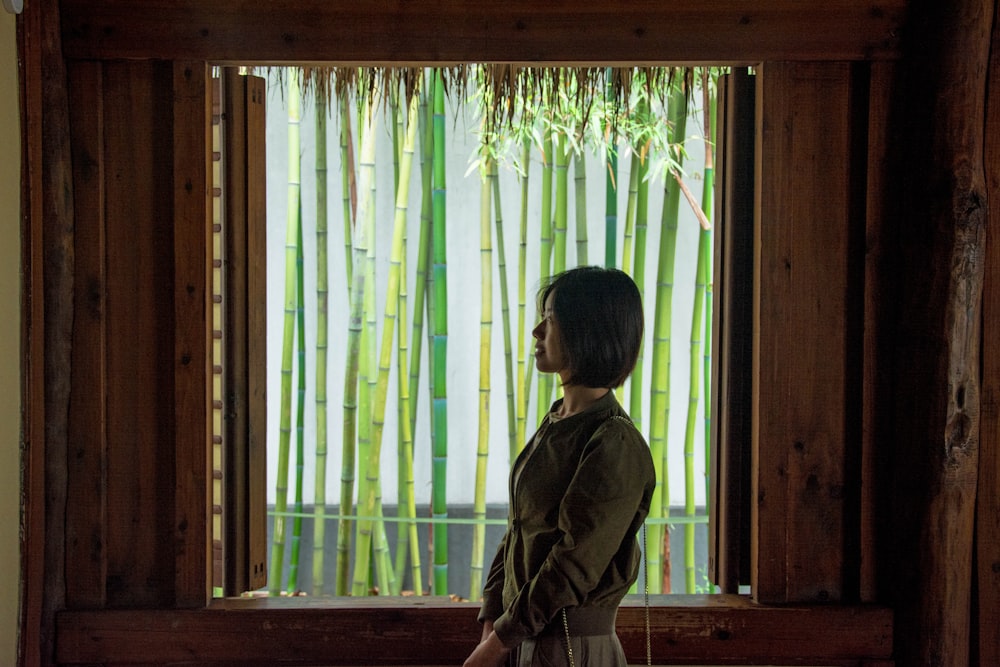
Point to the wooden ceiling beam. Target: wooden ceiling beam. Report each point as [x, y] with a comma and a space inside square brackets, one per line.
[441, 32]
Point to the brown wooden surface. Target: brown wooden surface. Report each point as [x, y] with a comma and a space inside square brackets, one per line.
[257, 329]
[940, 223]
[86, 516]
[874, 524]
[192, 292]
[57, 267]
[34, 628]
[431, 631]
[986, 628]
[140, 328]
[245, 233]
[454, 31]
[729, 535]
[804, 393]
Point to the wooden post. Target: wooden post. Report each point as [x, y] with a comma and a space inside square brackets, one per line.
[939, 193]
[986, 651]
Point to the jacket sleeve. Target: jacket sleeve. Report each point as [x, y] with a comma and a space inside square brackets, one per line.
[492, 606]
[603, 505]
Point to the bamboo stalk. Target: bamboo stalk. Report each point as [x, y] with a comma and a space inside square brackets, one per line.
[322, 317]
[657, 542]
[439, 466]
[494, 177]
[300, 412]
[707, 199]
[636, 384]
[348, 184]
[561, 216]
[485, 331]
[580, 206]
[524, 369]
[284, 440]
[370, 497]
[351, 376]
[545, 248]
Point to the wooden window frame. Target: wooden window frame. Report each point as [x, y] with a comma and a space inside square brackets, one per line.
[685, 628]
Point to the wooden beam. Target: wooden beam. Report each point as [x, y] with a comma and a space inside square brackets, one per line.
[455, 31]
[986, 630]
[939, 198]
[686, 629]
[35, 620]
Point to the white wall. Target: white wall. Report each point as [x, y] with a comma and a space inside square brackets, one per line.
[10, 337]
[463, 197]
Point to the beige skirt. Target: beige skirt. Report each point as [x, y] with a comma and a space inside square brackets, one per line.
[551, 651]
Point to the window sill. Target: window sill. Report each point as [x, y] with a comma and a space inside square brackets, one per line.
[436, 631]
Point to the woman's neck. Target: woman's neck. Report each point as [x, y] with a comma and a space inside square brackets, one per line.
[577, 399]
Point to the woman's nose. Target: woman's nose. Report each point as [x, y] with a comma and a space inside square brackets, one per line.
[537, 331]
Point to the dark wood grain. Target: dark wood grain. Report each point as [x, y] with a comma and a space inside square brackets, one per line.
[802, 344]
[434, 631]
[455, 31]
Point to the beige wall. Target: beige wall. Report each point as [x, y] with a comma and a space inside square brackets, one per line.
[10, 338]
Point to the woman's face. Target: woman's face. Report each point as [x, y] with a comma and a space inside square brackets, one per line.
[550, 357]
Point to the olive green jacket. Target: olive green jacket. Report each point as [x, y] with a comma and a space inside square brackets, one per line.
[579, 492]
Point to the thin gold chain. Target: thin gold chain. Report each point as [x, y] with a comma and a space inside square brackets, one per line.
[569, 646]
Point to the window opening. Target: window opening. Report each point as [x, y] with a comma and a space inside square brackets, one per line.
[550, 186]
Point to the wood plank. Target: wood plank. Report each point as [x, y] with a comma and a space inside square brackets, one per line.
[939, 196]
[56, 273]
[192, 294]
[86, 515]
[801, 348]
[245, 169]
[455, 31]
[35, 636]
[730, 508]
[257, 328]
[140, 329]
[233, 90]
[686, 629]
[986, 631]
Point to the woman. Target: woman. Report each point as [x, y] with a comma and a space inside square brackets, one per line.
[579, 491]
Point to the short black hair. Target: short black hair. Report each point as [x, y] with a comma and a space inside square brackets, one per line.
[600, 316]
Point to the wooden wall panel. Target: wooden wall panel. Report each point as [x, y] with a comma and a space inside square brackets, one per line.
[140, 320]
[804, 395]
[192, 368]
[455, 31]
[86, 515]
